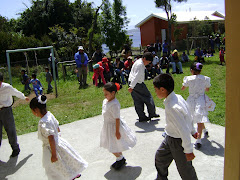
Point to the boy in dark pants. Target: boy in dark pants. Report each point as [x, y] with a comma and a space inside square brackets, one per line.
[139, 90]
[48, 79]
[25, 80]
[6, 114]
[179, 127]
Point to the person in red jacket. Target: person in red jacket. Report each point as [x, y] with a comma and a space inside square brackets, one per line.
[98, 71]
[106, 72]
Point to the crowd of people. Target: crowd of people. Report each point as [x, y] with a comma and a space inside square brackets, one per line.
[106, 70]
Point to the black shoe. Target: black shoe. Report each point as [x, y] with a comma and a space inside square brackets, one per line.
[154, 116]
[198, 145]
[114, 164]
[15, 153]
[144, 119]
[120, 163]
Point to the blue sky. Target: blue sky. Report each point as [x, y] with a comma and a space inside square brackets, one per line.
[137, 10]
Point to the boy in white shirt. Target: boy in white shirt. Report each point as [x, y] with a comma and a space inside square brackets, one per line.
[179, 127]
[139, 90]
[6, 114]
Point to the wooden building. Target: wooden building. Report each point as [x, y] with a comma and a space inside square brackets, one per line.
[155, 26]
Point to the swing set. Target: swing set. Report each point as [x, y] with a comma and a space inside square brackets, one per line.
[25, 54]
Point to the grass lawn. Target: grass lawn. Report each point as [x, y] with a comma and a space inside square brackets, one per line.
[74, 104]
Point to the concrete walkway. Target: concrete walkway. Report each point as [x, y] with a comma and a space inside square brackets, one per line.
[84, 137]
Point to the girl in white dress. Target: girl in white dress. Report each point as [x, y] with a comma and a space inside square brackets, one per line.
[60, 160]
[116, 136]
[197, 84]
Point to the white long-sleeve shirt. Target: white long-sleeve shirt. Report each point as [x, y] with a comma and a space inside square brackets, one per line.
[6, 93]
[179, 123]
[137, 73]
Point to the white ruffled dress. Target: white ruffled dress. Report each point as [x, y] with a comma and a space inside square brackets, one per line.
[196, 99]
[108, 140]
[70, 163]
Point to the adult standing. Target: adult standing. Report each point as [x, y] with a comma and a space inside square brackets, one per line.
[139, 90]
[50, 63]
[81, 59]
[97, 57]
[217, 42]
[6, 114]
[165, 48]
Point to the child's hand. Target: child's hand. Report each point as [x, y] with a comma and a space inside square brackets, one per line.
[196, 135]
[54, 159]
[130, 90]
[118, 135]
[189, 156]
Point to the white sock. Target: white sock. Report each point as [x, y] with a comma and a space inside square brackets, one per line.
[198, 141]
[119, 158]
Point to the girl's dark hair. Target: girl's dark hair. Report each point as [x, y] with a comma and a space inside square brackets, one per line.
[34, 75]
[196, 67]
[164, 80]
[36, 103]
[110, 86]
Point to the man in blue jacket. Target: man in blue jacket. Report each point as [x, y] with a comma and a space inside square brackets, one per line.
[81, 59]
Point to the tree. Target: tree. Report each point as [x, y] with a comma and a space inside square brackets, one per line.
[113, 21]
[93, 29]
[166, 5]
[43, 14]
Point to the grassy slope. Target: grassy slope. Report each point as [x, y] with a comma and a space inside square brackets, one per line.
[73, 104]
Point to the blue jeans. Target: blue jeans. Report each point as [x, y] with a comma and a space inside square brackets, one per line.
[179, 64]
[118, 71]
[38, 89]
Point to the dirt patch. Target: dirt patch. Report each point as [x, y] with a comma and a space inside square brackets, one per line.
[30, 96]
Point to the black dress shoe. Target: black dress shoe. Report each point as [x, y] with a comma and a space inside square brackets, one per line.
[120, 163]
[198, 145]
[114, 164]
[144, 119]
[155, 116]
[15, 153]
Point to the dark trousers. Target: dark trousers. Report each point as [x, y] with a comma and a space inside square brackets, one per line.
[7, 121]
[141, 96]
[82, 75]
[171, 148]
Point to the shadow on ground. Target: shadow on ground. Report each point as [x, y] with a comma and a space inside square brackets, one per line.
[126, 173]
[211, 148]
[149, 126]
[11, 167]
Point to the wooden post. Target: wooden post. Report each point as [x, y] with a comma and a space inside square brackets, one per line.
[232, 140]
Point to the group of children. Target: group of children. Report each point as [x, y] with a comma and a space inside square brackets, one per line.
[61, 161]
[200, 54]
[37, 86]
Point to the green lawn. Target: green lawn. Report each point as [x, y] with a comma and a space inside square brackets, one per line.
[74, 104]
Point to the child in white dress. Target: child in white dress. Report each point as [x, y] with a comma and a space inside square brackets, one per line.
[197, 84]
[60, 160]
[116, 136]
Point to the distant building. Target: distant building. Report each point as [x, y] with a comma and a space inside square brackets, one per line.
[155, 26]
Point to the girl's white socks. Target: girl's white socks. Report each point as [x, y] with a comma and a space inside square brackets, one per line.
[119, 158]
